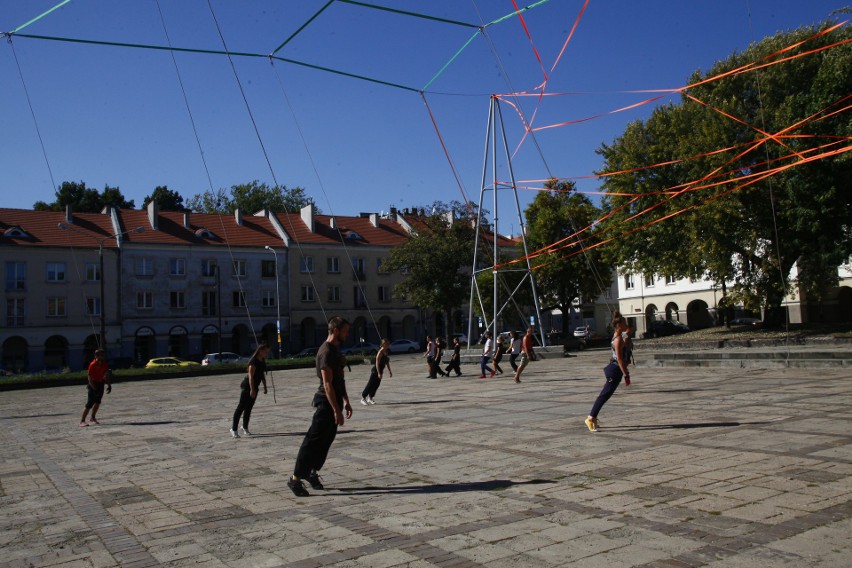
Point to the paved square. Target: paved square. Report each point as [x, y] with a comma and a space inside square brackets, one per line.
[718, 467]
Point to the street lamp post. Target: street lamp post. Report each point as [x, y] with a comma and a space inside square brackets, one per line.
[277, 299]
[102, 342]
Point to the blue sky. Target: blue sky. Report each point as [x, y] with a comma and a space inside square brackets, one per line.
[117, 116]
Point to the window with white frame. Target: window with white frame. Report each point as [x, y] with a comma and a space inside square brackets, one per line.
[379, 269]
[238, 268]
[306, 265]
[145, 300]
[56, 272]
[144, 266]
[332, 264]
[208, 267]
[384, 293]
[360, 299]
[267, 269]
[308, 294]
[93, 306]
[268, 298]
[208, 303]
[670, 280]
[56, 307]
[334, 294]
[93, 272]
[238, 299]
[15, 312]
[177, 266]
[16, 275]
[177, 300]
[358, 267]
[628, 282]
[649, 281]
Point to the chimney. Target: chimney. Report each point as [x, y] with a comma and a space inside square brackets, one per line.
[153, 215]
[238, 216]
[332, 222]
[392, 214]
[374, 219]
[307, 213]
[186, 224]
[69, 216]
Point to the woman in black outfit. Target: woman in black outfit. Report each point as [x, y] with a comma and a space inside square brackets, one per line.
[382, 361]
[455, 358]
[255, 375]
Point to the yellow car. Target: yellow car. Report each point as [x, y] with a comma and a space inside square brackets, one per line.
[169, 362]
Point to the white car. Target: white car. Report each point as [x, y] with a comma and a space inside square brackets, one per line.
[584, 332]
[404, 346]
[223, 357]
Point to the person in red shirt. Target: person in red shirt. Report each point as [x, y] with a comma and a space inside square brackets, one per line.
[99, 375]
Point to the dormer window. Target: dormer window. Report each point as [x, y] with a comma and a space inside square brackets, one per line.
[351, 235]
[203, 233]
[15, 233]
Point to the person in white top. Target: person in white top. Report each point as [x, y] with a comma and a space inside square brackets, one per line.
[486, 355]
[514, 350]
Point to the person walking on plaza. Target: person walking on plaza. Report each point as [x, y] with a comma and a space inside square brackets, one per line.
[499, 348]
[455, 358]
[486, 355]
[255, 375]
[368, 395]
[527, 353]
[430, 357]
[440, 346]
[514, 349]
[98, 375]
[331, 402]
[614, 371]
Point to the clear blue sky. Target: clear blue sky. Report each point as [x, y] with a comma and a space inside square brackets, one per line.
[116, 115]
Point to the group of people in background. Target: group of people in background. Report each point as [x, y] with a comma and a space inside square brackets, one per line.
[332, 402]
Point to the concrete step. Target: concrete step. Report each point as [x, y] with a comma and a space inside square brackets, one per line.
[750, 358]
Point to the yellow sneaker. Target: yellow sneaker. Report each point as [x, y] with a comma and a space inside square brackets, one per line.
[590, 422]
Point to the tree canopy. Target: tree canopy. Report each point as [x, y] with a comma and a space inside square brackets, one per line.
[565, 273]
[83, 199]
[253, 197]
[756, 175]
[167, 199]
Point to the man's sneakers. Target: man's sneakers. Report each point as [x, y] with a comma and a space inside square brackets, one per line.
[297, 487]
[315, 481]
[370, 400]
[83, 424]
[234, 433]
[94, 420]
[364, 401]
[481, 376]
[245, 432]
[592, 424]
[492, 374]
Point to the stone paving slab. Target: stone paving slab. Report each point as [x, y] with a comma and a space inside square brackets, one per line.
[721, 467]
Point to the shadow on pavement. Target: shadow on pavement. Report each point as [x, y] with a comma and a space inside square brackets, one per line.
[684, 426]
[495, 485]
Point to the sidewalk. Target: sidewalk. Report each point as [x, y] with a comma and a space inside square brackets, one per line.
[721, 467]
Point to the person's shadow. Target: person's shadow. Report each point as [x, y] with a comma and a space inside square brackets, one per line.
[685, 426]
[492, 485]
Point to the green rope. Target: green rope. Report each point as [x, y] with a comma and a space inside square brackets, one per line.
[516, 12]
[453, 58]
[219, 52]
[37, 18]
[405, 13]
[303, 26]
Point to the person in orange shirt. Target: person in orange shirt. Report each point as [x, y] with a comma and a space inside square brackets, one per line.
[99, 375]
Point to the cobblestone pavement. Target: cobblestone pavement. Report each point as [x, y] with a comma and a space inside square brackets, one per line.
[692, 467]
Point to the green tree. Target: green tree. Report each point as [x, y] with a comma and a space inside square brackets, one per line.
[253, 196]
[83, 199]
[437, 256]
[723, 208]
[570, 269]
[167, 199]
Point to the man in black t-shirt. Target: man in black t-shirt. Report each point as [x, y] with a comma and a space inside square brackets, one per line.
[331, 402]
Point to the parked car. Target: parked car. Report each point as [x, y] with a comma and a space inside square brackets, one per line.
[306, 352]
[462, 338]
[365, 348]
[666, 327]
[584, 332]
[223, 357]
[404, 346]
[169, 362]
[746, 321]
